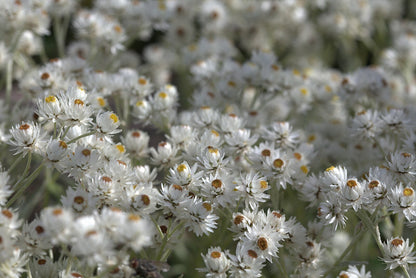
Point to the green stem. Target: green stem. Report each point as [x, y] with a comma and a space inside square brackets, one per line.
[81, 136]
[166, 239]
[405, 271]
[282, 268]
[23, 176]
[372, 227]
[9, 80]
[398, 225]
[59, 35]
[28, 182]
[15, 163]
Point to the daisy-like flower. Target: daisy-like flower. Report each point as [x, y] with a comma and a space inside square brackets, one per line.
[75, 108]
[403, 164]
[281, 133]
[252, 188]
[376, 188]
[246, 262]
[26, 137]
[107, 123]
[57, 224]
[55, 150]
[263, 240]
[165, 154]
[366, 124]
[398, 252]
[89, 241]
[352, 192]
[216, 263]
[199, 217]
[403, 201]
[136, 142]
[332, 212]
[185, 175]
[49, 108]
[81, 201]
[353, 272]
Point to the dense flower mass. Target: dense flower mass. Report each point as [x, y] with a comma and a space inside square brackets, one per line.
[207, 138]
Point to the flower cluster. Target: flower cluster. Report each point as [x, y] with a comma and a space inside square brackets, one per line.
[267, 136]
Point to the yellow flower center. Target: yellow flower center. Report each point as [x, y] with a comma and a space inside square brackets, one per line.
[278, 163]
[216, 183]
[304, 91]
[304, 169]
[78, 102]
[351, 183]
[407, 192]
[120, 148]
[114, 117]
[142, 81]
[207, 206]
[163, 95]
[101, 101]
[181, 168]
[330, 168]
[50, 99]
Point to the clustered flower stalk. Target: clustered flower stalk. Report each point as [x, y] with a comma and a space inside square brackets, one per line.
[207, 138]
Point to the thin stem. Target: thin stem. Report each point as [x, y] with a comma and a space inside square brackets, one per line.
[372, 227]
[23, 176]
[28, 182]
[405, 272]
[9, 80]
[166, 239]
[81, 136]
[15, 163]
[54, 130]
[59, 33]
[282, 268]
[398, 225]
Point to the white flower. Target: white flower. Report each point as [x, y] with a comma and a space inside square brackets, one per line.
[79, 200]
[107, 123]
[57, 223]
[403, 164]
[263, 240]
[26, 137]
[55, 150]
[366, 124]
[252, 188]
[89, 241]
[136, 142]
[198, 216]
[281, 133]
[216, 263]
[352, 191]
[397, 252]
[49, 108]
[403, 202]
[246, 263]
[353, 272]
